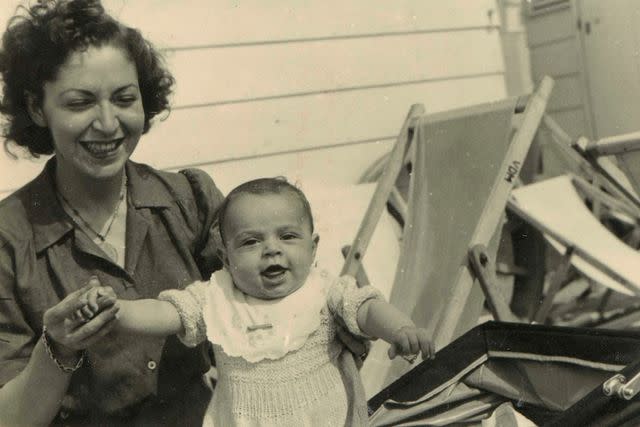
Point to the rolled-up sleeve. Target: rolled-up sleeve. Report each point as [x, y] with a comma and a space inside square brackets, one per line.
[345, 298]
[16, 336]
[208, 199]
[189, 303]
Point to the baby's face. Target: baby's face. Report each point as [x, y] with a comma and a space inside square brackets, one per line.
[269, 246]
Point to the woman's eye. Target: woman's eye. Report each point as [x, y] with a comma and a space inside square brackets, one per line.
[126, 100]
[77, 104]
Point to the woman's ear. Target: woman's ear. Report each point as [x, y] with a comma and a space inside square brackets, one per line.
[35, 110]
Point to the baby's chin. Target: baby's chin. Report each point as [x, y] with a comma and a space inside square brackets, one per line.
[273, 293]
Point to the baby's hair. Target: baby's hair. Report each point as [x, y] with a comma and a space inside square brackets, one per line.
[262, 186]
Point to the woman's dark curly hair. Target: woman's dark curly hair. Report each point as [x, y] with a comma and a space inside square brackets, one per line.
[37, 43]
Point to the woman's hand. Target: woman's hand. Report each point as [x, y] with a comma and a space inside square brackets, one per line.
[70, 334]
[359, 347]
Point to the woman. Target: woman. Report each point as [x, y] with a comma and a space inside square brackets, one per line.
[84, 87]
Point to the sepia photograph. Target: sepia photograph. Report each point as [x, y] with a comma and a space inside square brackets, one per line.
[320, 213]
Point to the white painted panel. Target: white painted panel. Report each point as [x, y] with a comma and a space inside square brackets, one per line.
[567, 93]
[214, 75]
[326, 166]
[204, 22]
[555, 59]
[201, 135]
[572, 121]
[546, 28]
[16, 172]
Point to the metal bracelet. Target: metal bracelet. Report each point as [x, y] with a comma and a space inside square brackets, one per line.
[63, 368]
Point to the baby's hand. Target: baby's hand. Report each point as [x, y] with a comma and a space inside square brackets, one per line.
[95, 300]
[410, 340]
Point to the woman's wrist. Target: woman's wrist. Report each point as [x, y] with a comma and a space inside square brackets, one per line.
[66, 359]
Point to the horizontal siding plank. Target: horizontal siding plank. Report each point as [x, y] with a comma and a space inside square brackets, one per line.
[327, 166]
[267, 129]
[215, 75]
[170, 23]
[550, 27]
[555, 59]
[261, 128]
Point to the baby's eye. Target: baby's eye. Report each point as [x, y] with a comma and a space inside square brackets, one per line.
[289, 236]
[249, 242]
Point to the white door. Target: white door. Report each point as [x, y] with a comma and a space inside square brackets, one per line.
[610, 35]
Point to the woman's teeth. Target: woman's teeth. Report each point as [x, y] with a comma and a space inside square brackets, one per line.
[101, 147]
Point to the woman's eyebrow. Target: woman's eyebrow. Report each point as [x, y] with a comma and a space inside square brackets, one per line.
[89, 92]
[125, 87]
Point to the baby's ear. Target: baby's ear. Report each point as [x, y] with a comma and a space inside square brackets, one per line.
[222, 254]
[316, 238]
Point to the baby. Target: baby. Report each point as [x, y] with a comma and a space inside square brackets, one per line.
[272, 316]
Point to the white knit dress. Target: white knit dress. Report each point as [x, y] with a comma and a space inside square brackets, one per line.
[277, 360]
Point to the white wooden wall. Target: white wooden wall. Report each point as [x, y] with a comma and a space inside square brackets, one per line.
[313, 90]
[555, 51]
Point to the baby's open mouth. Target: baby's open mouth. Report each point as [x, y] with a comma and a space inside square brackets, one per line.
[102, 148]
[273, 271]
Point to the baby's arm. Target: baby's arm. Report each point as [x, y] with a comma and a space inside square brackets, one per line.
[149, 317]
[380, 319]
[145, 316]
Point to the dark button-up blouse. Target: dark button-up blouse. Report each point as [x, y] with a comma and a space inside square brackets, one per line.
[43, 257]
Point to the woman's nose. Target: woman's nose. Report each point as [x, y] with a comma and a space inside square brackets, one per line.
[107, 120]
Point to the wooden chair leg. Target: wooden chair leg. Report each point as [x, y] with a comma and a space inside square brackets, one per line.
[557, 280]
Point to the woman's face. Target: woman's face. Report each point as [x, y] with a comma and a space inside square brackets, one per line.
[94, 112]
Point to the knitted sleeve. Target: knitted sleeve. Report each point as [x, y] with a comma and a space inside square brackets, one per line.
[345, 298]
[189, 303]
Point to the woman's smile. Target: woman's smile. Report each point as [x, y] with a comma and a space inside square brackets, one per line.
[102, 149]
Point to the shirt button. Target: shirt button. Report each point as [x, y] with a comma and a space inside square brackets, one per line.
[151, 364]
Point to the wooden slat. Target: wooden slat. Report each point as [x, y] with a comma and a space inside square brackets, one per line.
[451, 322]
[223, 75]
[252, 129]
[550, 27]
[173, 23]
[345, 165]
[205, 135]
[383, 189]
[555, 59]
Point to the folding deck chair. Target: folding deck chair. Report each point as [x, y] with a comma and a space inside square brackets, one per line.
[559, 207]
[463, 165]
[617, 205]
